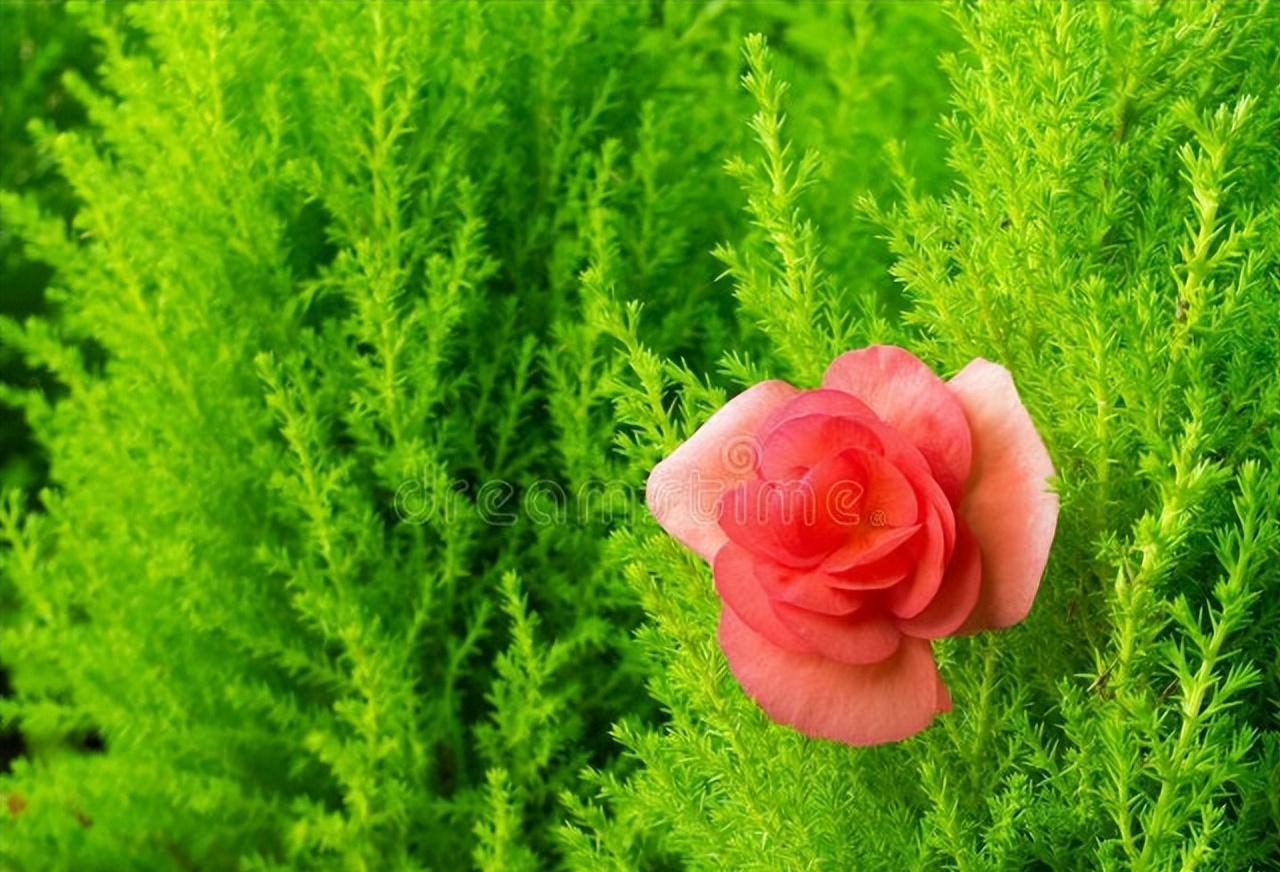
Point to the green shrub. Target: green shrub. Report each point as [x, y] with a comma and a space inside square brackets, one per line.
[1112, 238]
[334, 271]
[370, 312]
[38, 42]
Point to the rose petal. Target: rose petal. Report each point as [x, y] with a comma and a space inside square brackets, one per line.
[814, 591]
[858, 639]
[944, 696]
[910, 598]
[736, 583]
[887, 501]
[1008, 505]
[879, 574]
[906, 458]
[801, 443]
[857, 705]
[888, 498]
[684, 490]
[829, 403]
[908, 395]
[956, 597]
[869, 549]
[780, 520]
[837, 487]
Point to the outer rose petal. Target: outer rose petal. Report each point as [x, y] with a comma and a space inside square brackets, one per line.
[1008, 506]
[910, 396]
[857, 705]
[683, 489]
[860, 639]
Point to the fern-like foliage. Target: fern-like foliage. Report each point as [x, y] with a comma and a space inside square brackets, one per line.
[1112, 238]
[338, 309]
[372, 318]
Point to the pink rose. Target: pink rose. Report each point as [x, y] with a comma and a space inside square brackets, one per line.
[848, 526]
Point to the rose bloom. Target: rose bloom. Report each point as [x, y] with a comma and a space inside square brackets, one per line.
[848, 526]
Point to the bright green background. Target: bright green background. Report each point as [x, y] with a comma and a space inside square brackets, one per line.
[301, 270]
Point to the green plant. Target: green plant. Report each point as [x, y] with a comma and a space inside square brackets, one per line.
[1112, 239]
[373, 318]
[334, 272]
[38, 42]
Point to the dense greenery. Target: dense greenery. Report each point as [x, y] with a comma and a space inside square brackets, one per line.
[372, 318]
[37, 47]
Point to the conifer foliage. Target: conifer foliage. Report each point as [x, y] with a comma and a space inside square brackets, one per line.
[372, 318]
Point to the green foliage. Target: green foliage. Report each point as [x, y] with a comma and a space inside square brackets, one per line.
[37, 43]
[1112, 238]
[373, 317]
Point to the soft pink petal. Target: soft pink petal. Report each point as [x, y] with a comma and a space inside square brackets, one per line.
[857, 705]
[1008, 505]
[911, 397]
[957, 596]
[736, 583]
[859, 639]
[684, 490]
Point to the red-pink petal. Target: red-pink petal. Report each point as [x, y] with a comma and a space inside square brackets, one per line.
[911, 397]
[957, 596]
[857, 705]
[737, 585]
[888, 498]
[860, 638]
[869, 549]
[780, 520]
[944, 696]
[910, 598]
[1008, 505]
[824, 402]
[815, 591]
[879, 574]
[684, 490]
[800, 443]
